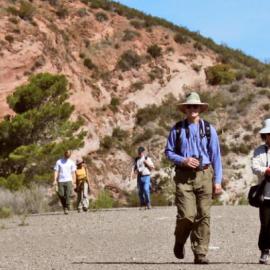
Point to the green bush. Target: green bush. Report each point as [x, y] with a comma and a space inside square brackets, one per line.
[88, 63]
[154, 50]
[82, 12]
[104, 200]
[234, 88]
[198, 46]
[263, 80]
[137, 24]
[115, 102]
[106, 143]
[180, 38]
[137, 85]
[9, 38]
[156, 73]
[196, 67]
[26, 10]
[119, 134]
[101, 17]
[146, 135]
[159, 199]
[5, 212]
[219, 74]
[128, 60]
[62, 12]
[129, 35]
[133, 199]
[252, 73]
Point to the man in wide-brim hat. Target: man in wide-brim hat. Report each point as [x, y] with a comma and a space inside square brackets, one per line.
[193, 147]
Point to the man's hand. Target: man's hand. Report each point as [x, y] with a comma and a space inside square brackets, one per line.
[191, 162]
[217, 189]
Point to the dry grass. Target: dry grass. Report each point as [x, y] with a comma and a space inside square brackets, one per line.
[33, 200]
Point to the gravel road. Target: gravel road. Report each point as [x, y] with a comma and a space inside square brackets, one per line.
[125, 239]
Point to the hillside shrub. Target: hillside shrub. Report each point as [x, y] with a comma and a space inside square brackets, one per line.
[154, 50]
[263, 80]
[9, 38]
[5, 212]
[156, 73]
[82, 12]
[106, 143]
[234, 88]
[129, 35]
[196, 67]
[219, 74]
[251, 73]
[101, 17]
[137, 85]
[128, 60]
[115, 102]
[198, 46]
[137, 24]
[62, 12]
[38, 133]
[144, 136]
[104, 200]
[88, 63]
[180, 38]
[26, 10]
[119, 134]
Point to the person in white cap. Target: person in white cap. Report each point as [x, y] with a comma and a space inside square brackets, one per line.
[260, 167]
[193, 147]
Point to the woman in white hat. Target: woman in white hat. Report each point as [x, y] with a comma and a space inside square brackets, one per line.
[260, 167]
[82, 186]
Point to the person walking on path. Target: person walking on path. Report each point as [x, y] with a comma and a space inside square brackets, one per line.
[193, 147]
[82, 186]
[260, 166]
[143, 166]
[64, 177]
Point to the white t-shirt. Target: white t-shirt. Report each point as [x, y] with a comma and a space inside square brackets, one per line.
[65, 168]
[141, 167]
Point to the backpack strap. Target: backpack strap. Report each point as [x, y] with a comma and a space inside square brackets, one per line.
[204, 129]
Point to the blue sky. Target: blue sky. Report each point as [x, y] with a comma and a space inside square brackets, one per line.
[241, 24]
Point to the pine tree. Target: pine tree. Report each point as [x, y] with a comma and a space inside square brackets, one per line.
[39, 133]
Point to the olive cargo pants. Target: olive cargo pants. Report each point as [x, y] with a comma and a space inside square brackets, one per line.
[64, 193]
[193, 199]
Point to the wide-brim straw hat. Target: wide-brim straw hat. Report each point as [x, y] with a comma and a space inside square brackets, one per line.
[266, 128]
[193, 99]
[79, 161]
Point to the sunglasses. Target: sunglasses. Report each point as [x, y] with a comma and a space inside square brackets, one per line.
[192, 106]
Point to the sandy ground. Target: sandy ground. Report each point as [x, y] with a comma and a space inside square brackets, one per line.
[125, 239]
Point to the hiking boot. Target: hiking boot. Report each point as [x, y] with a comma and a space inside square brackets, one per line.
[65, 211]
[264, 259]
[179, 250]
[201, 259]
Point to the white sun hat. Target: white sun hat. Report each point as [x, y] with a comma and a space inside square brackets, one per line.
[266, 128]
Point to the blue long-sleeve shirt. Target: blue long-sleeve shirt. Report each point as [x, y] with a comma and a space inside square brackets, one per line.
[196, 146]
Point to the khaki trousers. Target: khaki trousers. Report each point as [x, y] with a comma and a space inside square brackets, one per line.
[193, 199]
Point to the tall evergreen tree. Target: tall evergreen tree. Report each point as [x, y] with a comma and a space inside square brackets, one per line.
[37, 135]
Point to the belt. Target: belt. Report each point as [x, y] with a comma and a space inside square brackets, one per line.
[198, 169]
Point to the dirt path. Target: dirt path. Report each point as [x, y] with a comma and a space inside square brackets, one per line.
[125, 239]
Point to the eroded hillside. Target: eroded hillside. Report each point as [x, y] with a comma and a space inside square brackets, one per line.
[126, 73]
